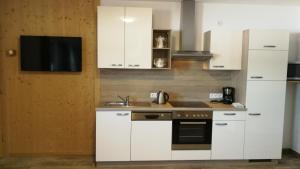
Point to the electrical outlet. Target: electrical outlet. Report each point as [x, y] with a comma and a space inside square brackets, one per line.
[215, 96]
[153, 95]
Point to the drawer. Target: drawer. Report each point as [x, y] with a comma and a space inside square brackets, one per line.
[229, 115]
[269, 39]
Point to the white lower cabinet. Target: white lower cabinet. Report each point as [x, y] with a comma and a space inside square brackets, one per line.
[151, 140]
[264, 120]
[228, 140]
[113, 135]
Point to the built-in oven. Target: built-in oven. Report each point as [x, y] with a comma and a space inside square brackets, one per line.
[191, 130]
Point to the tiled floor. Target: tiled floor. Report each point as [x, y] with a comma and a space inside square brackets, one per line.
[290, 161]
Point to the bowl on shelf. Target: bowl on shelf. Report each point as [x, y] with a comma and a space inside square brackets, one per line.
[160, 62]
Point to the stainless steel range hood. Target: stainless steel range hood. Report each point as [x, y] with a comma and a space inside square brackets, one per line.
[188, 34]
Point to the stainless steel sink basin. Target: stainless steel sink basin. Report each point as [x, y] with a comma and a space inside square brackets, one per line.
[131, 104]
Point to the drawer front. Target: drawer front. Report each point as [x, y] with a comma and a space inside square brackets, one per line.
[191, 155]
[269, 39]
[229, 115]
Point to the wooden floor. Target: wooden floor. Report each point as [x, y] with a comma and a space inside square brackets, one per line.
[290, 160]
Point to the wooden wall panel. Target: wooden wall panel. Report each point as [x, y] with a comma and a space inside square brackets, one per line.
[48, 113]
[185, 81]
[1, 88]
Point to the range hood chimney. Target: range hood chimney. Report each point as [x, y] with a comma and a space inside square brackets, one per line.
[188, 34]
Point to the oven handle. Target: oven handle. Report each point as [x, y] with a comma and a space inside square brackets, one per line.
[204, 123]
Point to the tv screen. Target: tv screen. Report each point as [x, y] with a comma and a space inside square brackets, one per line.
[50, 53]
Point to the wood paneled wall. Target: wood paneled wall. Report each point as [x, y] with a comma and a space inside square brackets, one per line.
[185, 81]
[1, 88]
[1, 115]
[48, 113]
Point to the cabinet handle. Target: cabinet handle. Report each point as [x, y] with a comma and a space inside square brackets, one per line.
[120, 65]
[230, 114]
[151, 116]
[257, 77]
[133, 65]
[254, 114]
[113, 64]
[203, 123]
[219, 66]
[221, 124]
[270, 46]
[122, 114]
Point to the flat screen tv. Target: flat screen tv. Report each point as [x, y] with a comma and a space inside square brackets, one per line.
[50, 53]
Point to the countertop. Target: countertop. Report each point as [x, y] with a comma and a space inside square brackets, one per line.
[168, 107]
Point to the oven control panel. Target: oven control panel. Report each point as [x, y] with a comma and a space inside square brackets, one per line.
[192, 115]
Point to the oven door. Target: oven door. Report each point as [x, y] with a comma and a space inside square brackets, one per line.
[191, 134]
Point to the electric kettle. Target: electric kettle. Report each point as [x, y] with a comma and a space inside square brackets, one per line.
[162, 97]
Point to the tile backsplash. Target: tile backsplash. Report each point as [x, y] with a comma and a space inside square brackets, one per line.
[185, 81]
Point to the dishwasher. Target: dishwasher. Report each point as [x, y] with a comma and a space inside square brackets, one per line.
[151, 136]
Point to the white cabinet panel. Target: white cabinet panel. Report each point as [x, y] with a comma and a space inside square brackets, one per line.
[228, 140]
[269, 39]
[226, 47]
[264, 120]
[113, 135]
[138, 38]
[191, 154]
[110, 37]
[151, 140]
[267, 65]
[124, 37]
[229, 115]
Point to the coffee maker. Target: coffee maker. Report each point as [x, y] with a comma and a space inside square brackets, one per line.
[228, 95]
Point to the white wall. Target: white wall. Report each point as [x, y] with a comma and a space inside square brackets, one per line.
[237, 16]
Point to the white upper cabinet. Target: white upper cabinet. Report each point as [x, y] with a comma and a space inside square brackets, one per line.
[267, 65]
[124, 37]
[268, 39]
[138, 38]
[226, 47]
[110, 37]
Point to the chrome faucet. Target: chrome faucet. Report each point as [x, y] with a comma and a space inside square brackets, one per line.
[125, 100]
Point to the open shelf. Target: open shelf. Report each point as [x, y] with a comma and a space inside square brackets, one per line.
[161, 49]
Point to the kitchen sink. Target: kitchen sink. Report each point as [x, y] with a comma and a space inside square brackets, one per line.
[131, 104]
